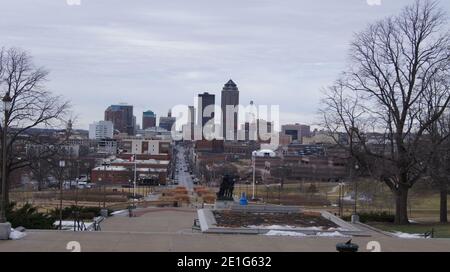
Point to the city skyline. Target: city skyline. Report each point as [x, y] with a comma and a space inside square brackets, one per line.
[140, 53]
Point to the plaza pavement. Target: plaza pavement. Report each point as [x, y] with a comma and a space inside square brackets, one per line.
[167, 230]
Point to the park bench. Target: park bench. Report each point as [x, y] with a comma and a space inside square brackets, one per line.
[429, 234]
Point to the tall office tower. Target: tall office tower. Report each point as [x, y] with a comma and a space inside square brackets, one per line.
[230, 98]
[204, 100]
[148, 119]
[101, 130]
[189, 127]
[191, 116]
[122, 118]
[167, 122]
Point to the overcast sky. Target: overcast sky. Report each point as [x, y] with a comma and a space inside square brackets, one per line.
[156, 54]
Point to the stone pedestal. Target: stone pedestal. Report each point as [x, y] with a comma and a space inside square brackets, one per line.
[355, 218]
[223, 204]
[5, 230]
[104, 212]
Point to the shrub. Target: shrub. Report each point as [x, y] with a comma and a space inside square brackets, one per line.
[382, 217]
[28, 217]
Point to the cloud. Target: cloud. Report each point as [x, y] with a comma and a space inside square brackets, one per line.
[156, 54]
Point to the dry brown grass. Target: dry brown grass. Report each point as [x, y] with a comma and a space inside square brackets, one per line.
[209, 198]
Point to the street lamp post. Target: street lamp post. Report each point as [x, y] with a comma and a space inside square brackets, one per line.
[5, 227]
[62, 164]
[254, 175]
[355, 217]
[100, 182]
[134, 180]
[341, 198]
[105, 164]
[279, 193]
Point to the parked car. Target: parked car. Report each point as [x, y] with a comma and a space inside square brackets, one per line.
[82, 184]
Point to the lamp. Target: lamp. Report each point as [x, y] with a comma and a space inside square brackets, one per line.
[5, 227]
[7, 102]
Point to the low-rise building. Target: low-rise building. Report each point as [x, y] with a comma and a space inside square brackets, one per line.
[101, 130]
[145, 146]
[296, 131]
[120, 171]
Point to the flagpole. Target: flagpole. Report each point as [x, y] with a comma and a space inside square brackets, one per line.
[134, 182]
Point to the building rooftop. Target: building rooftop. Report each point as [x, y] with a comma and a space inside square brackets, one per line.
[149, 113]
[264, 153]
[122, 168]
[230, 86]
[150, 161]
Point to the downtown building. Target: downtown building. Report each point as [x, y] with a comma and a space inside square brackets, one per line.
[148, 119]
[122, 118]
[101, 130]
[167, 123]
[296, 132]
[230, 100]
[206, 104]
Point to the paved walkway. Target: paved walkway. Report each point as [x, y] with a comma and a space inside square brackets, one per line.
[170, 230]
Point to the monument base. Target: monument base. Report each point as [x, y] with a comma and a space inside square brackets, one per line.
[355, 218]
[5, 230]
[104, 212]
[223, 204]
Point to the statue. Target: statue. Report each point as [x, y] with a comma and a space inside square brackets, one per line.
[226, 188]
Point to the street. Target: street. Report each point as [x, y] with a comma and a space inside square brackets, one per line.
[182, 174]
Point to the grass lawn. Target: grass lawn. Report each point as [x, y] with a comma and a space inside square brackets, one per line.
[440, 230]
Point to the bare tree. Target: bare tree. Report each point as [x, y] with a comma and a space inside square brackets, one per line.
[393, 63]
[439, 169]
[32, 105]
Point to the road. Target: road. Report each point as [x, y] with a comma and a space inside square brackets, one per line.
[182, 175]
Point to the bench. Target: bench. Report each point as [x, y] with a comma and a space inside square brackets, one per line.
[429, 234]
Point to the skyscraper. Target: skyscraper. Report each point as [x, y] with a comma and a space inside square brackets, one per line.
[230, 97]
[189, 127]
[148, 119]
[204, 100]
[191, 116]
[122, 118]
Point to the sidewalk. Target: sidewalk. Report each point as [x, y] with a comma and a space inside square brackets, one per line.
[109, 241]
[163, 229]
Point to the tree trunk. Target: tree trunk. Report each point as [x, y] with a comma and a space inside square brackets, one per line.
[443, 204]
[39, 184]
[401, 205]
[7, 192]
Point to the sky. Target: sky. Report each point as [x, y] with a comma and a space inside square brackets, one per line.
[158, 54]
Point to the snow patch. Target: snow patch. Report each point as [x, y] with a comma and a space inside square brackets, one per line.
[288, 227]
[403, 235]
[300, 234]
[119, 212]
[285, 233]
[331, 234]
[16, 235]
